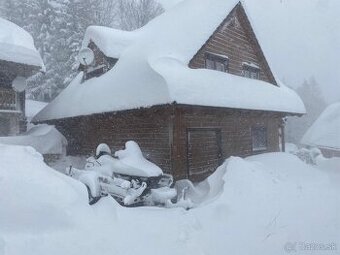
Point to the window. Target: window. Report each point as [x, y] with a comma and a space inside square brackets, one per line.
[259, 138]
[216, 62]
[251, 71]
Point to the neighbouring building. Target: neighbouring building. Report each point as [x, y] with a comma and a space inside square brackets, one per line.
[192, 87]
[18, 60]
[325, 132]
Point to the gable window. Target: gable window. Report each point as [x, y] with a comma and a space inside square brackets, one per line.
[216, 62]
[259, 138]
[251, 71]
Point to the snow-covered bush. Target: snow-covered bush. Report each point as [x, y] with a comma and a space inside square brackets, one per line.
[309, 155]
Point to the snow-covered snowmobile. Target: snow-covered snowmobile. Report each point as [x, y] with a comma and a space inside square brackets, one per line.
[127, 176]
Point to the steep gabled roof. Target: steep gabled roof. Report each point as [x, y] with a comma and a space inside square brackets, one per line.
[153, 70]
[16, 45]
[325, 131]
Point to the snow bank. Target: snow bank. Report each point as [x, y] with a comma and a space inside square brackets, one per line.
[45, 212]
[325, 131]
[44, 138]
[253, 206]
[16, 45]
[160, 70]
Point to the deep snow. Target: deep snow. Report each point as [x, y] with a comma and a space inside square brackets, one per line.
[249, 206]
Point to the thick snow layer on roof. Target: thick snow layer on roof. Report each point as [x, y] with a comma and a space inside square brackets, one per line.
[17, 45]
[44, 138]
[111, 41]
[154, 70]
[325, 131]
[32, 107]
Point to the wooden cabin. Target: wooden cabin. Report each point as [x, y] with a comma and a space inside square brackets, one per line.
[18, 58]
[188, 118]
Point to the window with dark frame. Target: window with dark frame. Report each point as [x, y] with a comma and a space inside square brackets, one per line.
[259, 138]
[216, 62]
[251, 71]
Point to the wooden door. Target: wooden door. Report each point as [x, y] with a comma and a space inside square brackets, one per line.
[204, 153]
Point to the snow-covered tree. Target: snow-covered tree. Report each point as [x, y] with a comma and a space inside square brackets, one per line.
[312, 97]
[134, 14]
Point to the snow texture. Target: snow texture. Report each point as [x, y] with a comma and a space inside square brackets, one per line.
[251, 206]
[111, 42]
[16, 45]
[325, 131]
[44, 138]
[153, 70]
[32, 107]
[132, 156]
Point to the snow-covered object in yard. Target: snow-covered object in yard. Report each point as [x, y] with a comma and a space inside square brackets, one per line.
[159, 54]
[102, 149]
[130, 178]
[132, 156]
[325, 131]
[16, 45]
[44, 138]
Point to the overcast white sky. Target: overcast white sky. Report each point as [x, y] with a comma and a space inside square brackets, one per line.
[301, 38]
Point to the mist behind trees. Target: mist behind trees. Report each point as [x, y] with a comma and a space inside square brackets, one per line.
[58, 27]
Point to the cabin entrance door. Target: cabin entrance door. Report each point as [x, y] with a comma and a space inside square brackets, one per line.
[204, 152]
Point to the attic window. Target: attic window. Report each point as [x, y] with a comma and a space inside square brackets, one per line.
[216, 62]
[250, 70]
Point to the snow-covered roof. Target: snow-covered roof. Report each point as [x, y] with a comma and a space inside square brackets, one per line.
[32, 107]
[325, 131]
[112, 42]
[153, 70]
[44, 138]
[17, 45]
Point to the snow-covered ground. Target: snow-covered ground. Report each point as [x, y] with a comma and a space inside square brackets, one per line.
[267, 204]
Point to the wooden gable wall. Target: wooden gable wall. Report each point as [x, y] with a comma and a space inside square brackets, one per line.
[235, 39]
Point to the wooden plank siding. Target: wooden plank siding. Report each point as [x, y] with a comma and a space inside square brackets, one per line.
[162, 133]
[150, 128]
[235, 126]
[235, 39]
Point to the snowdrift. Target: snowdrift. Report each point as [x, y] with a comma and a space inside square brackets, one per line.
[44, 138]
[249, 206]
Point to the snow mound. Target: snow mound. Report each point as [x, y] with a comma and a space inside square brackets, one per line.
[44, 138]
[34, 197]
[325, 131]
[253, 206]
[160, 70]
[132, 156]
[16, 45]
